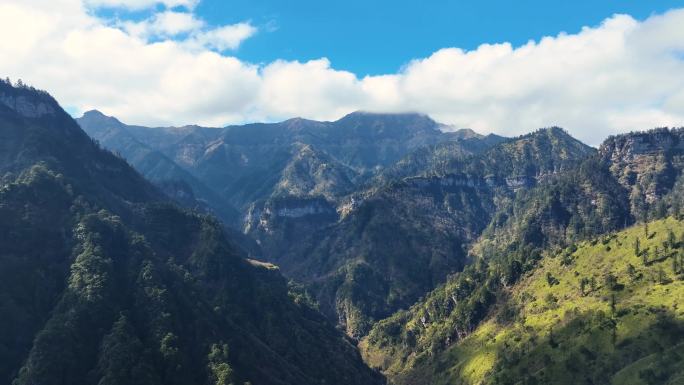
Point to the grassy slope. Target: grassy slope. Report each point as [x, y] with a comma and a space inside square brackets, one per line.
[555, 334]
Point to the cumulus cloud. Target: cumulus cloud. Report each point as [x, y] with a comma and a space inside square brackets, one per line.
[223, 38]
[618, 76]
[167, 24]
[142, 4]
[192, 32]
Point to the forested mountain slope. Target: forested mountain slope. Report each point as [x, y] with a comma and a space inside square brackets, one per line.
[604, 311]
[106, 282]
[591, 199]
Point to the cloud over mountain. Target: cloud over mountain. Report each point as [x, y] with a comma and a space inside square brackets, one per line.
[173, 68]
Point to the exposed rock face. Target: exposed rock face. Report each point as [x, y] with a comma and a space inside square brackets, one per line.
[284, 223]
[298, 212]
[627, 148]
[518, 182]
[27, 107]
[647, 163]
[451, 180]
[262, 215]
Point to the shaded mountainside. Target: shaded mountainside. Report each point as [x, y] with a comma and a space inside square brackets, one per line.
[157, 167]
[312, 173]
[605, 311]
[104, 282]
[590, 199]
[246, 164]
[241, 163]
[404, 238]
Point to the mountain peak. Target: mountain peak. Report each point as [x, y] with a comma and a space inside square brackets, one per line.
[397, 123]
[553, 133]
[299, 123]
[356, 115]
[95, 118]
[555, 130]
[94, 114]
[462, 133]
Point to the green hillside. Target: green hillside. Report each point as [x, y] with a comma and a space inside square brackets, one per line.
[603, 311]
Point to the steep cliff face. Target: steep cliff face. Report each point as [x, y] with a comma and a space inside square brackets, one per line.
[647, 164]
[29, 106]
[265, 218]
[633, 177]
[279, 223]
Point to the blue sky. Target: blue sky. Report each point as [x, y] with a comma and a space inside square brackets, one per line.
[593, 67]
[379, 36]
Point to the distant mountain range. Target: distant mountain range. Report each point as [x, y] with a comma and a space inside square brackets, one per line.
[198, 255]
[245, 164]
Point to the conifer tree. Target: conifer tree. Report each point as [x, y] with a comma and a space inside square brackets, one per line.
[637, 247]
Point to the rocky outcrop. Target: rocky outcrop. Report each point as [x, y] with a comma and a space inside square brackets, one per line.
[263, 216]
[521, 181]
[26, 107]
[446, 181]
[646, 163]
[26, 101]
[629, 147]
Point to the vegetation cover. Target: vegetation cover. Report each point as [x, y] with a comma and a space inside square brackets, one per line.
[607, 310]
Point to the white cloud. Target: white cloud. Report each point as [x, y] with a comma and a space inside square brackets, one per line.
[621, 75]
[196, 35]
[166, 24]
[142, 4]
[310, 89]
[223, 38]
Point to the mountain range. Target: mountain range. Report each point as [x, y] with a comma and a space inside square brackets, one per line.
[375, 248]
